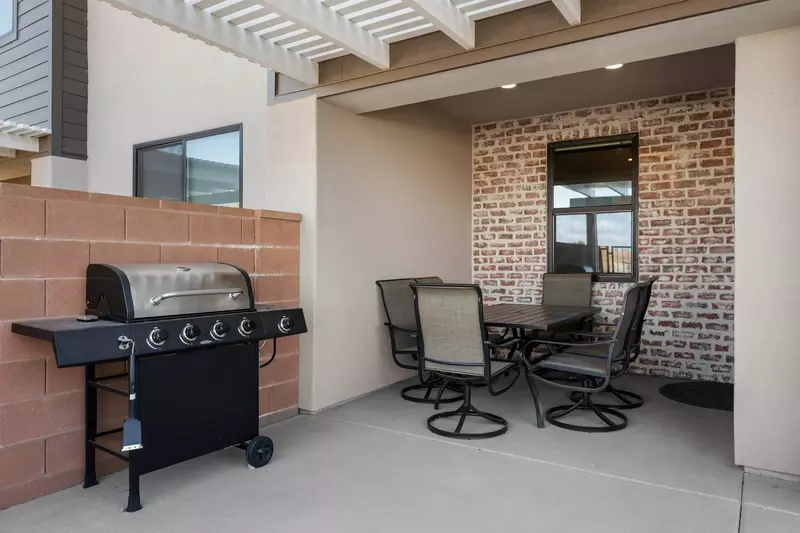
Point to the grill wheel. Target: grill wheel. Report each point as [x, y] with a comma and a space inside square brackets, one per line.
[259, 451]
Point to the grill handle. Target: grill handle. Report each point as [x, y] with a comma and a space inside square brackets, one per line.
[232, 294]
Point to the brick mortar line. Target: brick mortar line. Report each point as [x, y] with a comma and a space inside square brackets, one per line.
[151, 243]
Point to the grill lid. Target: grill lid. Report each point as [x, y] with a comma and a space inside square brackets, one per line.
[139, 291]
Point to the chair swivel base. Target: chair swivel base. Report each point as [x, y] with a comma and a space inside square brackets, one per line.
[427, 393]
[627, 399]
[612, 420]
[463, 412]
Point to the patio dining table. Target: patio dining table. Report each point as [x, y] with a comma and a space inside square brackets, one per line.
[521, 318]
[534, 317]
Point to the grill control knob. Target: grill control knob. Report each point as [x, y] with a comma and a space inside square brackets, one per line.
[219, 330]
[190, 333]
[158, 337]
[285, 325]
[247, 327]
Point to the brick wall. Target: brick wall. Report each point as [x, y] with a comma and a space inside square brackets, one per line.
[47, 238]
[685, 220]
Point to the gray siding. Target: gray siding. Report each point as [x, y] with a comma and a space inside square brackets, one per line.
[70, 78]
[25, 66]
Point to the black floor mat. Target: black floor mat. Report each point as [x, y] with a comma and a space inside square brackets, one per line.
[706, 394]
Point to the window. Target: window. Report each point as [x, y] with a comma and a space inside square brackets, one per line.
[8, 21]
[202, 168]
[592, 194]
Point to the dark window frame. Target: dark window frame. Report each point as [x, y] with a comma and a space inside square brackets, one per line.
[552, 212]
[13, 33]
[183, 139]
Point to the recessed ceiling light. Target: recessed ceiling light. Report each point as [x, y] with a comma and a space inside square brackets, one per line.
[509, 86]
[630, 159]
[615, 67]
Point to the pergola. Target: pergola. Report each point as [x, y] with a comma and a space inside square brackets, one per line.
[14, 136]
[292, 36]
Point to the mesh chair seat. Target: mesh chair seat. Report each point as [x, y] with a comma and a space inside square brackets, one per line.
[411, 348]
[595, 350]
[576, 364]
[496, 368]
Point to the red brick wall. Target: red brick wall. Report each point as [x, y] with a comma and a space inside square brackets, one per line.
[685, 220]
[47, 238]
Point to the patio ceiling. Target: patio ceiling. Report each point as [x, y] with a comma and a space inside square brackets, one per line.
[291, 37]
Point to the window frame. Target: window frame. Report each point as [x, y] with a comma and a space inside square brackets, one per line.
[183, 139]
[552, 212]
[13, 33]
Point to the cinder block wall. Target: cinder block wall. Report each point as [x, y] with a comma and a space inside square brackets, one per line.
[686, 197]
[47, 238]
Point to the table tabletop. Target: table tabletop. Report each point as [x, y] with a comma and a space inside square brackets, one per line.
[536, 317]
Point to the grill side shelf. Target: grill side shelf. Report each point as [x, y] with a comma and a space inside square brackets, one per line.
[77, 343]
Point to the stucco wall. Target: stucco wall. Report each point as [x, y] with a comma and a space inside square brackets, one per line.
[292, 154]
[767, 253]
[393, 201]
[148, 83]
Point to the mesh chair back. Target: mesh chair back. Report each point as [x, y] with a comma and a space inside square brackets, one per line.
[398, 302]
[433, 279]
[567, 289]
[451, 331]
[641, 312]
[624, 332]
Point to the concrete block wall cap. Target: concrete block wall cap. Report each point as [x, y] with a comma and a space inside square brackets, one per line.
[279, 215]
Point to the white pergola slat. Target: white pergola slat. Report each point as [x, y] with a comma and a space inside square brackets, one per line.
[445, 16]
[338, 29]
[187, 19]
[22, 137]
[570, 9]
[292, 36]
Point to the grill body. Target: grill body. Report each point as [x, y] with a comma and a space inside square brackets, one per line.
[191, 335]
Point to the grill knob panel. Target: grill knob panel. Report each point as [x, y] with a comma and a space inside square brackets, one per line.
[158, 337]
[219, 330]
[285, 325]
[247, 327]
[190, 333]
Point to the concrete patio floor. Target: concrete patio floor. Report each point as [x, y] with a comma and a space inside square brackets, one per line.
[371, 466]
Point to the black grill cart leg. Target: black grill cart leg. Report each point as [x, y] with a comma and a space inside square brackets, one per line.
[134, 502]
[90, 473]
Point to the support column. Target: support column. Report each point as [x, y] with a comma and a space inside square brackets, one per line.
[60, 173]
[767, 144]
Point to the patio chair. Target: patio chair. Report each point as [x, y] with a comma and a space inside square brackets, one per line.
[398, 303]
[596, 362]
[454, 346]
[567, 289]
[574, 290]
[628, 399]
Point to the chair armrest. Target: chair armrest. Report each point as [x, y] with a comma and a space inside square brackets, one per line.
[578, 344]
[591, 333]
[503, 344]
[501, 360]
[398, 328]
[594, 335]
[573, 344]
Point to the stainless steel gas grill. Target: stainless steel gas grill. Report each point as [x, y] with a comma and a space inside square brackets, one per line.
[190, 335]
